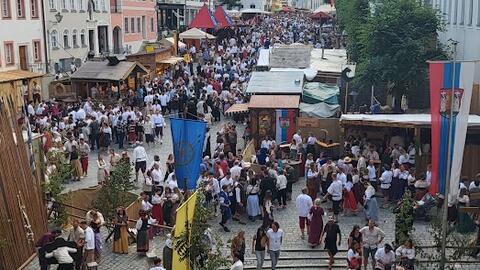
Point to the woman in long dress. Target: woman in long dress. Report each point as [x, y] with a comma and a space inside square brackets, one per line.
[102, 170]
[142, 234]
[253, 202]
[316, 223]
[267, 210]
[349, 201]
[371, 205]
[465, 223]
[170, 166]
[157, 211]
[167, 206]
[120, 232]
[312, 183]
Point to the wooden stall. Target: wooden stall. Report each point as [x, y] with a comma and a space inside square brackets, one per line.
[11, 85]
[405, 128]
[96, 78]
[151, 56]
[274, 116]
[23, 214]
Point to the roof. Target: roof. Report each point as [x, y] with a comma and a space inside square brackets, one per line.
[263, 58]
[171, 41]
[15, 75]
[321, 109]
[334, 60]
[253, 10]
[276, 82]
[195, 33]
[397, 120]
[325, 8]
[290, 56]
[222, 17]
[274, 102]
[100, 70]
[204, 19]
[172, 60]
[238, 108]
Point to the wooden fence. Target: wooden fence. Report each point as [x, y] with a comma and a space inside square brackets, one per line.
[22, 209]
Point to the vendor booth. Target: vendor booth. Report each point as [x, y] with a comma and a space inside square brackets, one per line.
[402, 129]
[97, 78]
[11, 85]
[194, 37]
[274, 116]
[153, 57]
[287, 82]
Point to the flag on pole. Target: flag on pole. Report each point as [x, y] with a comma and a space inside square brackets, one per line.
[443, 78]
[183, 223]
[188, 137]
[285, 127]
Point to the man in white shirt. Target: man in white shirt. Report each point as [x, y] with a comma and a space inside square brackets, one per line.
[157, 176]
[384, 258]
[372, 236]
[227, 181]
[140, 158]
[372, 173]
[89, 242]
[275, 239]
[341, 175]
[335, 190]
[236, 170]
[62, 255]
[297, 138]
[303, 204]
[158, 122]
[386, 181]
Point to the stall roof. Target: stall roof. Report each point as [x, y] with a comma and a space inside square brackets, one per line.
[274, 102]
[15, 75]
[276, 82]
[172, 60]
[397, 120]
[101, 70]
[238, 108]
[321, 109]
[334, 60]
[195, 33]
[204, 19]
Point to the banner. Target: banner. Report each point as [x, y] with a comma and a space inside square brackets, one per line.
[442, 78]
[184, 217]
[187, 137]
[285, 125]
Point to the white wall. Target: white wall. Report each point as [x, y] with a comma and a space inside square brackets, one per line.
[462, 19]
[259, 4]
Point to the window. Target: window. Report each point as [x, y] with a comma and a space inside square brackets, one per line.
[138, 25]
[252, 6]
[80, 5]
[470, 13]
[34, 8]
[54, 39]
[152, 26]
[52, 4]
[64, 4]
[132, 24]
[126, 25]
[6, 9]
[449, 10]
[462, 12]
[82, 38]
[75, 38]
[9, 57]
[95, 6]
[20, 9]
[37, 54]
[65, 39]
[103, 5]
[72, 5]
[455, 11]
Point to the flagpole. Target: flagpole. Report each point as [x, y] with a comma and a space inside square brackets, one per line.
[448, 177]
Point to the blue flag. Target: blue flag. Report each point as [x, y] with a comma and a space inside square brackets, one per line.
[188, 137]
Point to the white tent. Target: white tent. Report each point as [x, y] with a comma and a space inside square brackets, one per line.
[181, 45]
[325, 8]
[195, 33]
[253, 11]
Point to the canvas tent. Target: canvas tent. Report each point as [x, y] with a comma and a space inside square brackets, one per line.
[204, 19]
[315, 92]
[195, 33]
[222, 17]
[181, 45]
[321, 109]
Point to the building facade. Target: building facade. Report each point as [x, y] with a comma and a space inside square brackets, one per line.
[462, 24]
[21, 36]
[132, 23]
[76, 29]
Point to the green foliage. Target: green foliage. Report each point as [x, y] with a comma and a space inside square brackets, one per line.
[115, 192]
[391, 42]
[193, 245]
[404, 219]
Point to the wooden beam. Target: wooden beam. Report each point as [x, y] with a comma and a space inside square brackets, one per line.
[465, 209]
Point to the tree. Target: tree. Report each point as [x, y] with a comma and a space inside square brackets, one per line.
[404, 219]
[117, 190]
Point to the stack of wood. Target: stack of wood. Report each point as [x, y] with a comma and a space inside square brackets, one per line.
[22, 209]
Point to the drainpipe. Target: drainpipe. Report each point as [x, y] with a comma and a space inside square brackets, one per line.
[45, 42]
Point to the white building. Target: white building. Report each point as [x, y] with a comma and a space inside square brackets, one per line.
[307, 4]
[21, 36]
[255, 4]
[462, 21]
[75, 28]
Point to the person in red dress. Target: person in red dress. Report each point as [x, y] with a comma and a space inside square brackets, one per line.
[349, 201]
[316, 223]
[157, 210]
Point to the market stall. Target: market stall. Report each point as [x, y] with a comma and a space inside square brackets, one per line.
[194, 36]
[98, 78]
[273, 116]
[284, 82]
[151, 56]
[11, 85]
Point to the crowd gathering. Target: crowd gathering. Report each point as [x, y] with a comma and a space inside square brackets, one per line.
[235, 190]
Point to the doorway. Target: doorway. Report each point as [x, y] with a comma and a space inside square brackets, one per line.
[91, 40]
[117, 40]
[22, 51]
[103, 39]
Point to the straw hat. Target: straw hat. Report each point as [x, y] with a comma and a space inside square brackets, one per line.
[347, 160]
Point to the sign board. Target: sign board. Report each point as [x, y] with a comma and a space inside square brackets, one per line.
[149, 49]
[308, 122]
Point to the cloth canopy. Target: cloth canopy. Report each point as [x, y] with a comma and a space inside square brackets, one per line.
[222, 17]
[320, 15]
[181, 45]
[204, 19]
[195, 33]
[321, 109]
[314, 92]
[238, 108]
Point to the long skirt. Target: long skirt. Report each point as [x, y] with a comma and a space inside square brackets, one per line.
[142, 241]
[120, 245]
[167, 258]
[157, 213]
[358, 191]
[167, 210]
[349, 201]
[84, 162]
[77, 168]
[173, 212]
[98, 245]
[465, 223]
[398, 188]
[315, 230]
[371, 209]
[253, 206]
[312, 186]
[131, 137]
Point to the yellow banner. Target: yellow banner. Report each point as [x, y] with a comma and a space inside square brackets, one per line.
[185, 212]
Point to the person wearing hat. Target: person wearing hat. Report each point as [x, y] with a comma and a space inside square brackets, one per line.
[140, 159]
[333, 238]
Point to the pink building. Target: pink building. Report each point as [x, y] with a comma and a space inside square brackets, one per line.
[132, 22]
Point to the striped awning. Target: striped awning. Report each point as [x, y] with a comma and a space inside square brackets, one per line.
[237, 108]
